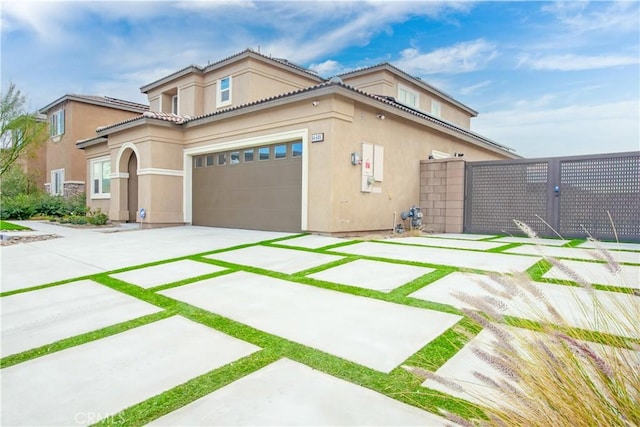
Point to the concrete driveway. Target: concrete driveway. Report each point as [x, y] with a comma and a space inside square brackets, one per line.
[245, 328]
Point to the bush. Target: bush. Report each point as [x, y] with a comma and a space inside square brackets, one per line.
[24, 206]
[21, 206]
[97, 217]
[15, 181]
[548, 372]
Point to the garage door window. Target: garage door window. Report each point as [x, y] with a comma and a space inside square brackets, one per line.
[210, 160]
[222, 159]
[198, 162]
[248, 156]
[263, 153]
[296, 149]
[234, 158]
[280, 151]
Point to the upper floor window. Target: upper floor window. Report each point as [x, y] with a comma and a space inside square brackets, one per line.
[101, 178]
[223, 92]
[436, 108]
[174, 104]
[57, 182]
[408, 96]
[56, 123]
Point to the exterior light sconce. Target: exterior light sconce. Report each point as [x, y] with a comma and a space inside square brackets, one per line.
[430, 157]
[315, 103]
[381, 116]
[458, 154]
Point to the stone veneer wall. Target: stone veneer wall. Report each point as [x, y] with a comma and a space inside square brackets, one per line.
[442, 194]
[69, 188]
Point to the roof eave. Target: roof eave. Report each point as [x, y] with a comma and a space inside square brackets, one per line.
[86, 143]
[70, 97]
[395, 70]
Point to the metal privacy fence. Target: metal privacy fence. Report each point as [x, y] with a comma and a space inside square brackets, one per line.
[575, 196]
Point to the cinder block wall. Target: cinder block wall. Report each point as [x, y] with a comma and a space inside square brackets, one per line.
[442, 194]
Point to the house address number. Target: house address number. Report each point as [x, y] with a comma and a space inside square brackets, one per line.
[317, 137]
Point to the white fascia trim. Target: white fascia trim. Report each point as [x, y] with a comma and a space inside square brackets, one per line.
[73, 182]
[158, 171]
[301, 134]
[119, 175]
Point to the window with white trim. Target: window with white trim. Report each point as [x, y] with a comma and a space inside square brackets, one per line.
[436, 108]
[174, 104]
[408, 96]
[223, 92]
[56, 123]
[56, 187]
[101, 178]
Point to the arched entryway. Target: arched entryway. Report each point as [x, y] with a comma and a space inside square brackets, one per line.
[132, 187]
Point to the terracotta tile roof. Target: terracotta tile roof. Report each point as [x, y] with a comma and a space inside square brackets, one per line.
[105, 101]
[416, 80]
[337, 82]
[204, 69]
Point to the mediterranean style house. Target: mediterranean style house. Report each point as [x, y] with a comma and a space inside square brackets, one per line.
[261, 143]
[61, 166]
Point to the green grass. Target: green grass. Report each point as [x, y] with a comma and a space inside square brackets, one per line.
[397, 384]
[9, 226]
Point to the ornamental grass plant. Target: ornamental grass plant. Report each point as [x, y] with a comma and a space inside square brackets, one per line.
[546, 372]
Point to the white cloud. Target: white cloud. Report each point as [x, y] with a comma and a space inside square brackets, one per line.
[584, 17]
[572, 62]
[460, 58]
[467, 90]
[570, 130]
[328, 68]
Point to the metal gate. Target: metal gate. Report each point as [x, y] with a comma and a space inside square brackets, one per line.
[597, 195]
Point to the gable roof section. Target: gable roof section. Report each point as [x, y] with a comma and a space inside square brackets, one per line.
[334, 84]
[102, 101]
[419, 82]
[248, 53]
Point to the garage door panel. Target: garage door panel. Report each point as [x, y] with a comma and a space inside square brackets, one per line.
[264, 195]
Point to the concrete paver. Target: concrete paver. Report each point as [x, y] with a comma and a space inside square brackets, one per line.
[627, 276]
[448, 243]
[287, 393]
[312, 241]
[612, 245]
[157, 275]
[461, 367]
[380, 276]
[374, 333]
[529, 241]
[83, 252]
[575, 305]
[93, 381]
[578, 253]
[276, 259]
[33, 319]
[502, 263]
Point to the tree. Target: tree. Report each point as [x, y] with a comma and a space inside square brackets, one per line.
[20, 130]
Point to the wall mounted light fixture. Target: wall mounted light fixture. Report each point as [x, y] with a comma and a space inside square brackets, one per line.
[315, 103]
[381, 116]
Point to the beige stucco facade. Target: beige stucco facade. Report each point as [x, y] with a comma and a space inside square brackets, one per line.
[275, 103]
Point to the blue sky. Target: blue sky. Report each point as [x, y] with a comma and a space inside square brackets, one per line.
[547, 78]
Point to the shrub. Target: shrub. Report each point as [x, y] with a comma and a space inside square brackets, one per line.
[548, 373]
[50, 205]
[21, 206]
[15, 181]
[97, 217]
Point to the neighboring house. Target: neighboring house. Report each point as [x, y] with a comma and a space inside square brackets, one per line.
[261, 143]
[73, 117]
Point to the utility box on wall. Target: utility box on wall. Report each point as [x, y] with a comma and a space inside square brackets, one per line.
[372, 167]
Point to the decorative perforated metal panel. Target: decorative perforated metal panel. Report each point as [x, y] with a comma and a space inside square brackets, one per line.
[598, 194]
[499, 192]
[576, 196]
